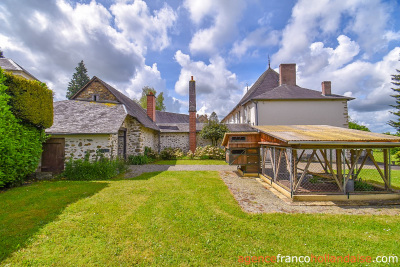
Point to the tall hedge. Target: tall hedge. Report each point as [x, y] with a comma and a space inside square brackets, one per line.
[31, 101]
[20, 143]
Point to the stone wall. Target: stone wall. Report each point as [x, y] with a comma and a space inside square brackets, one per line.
[174, 140]
[76, 146]
[149, 139]
[96, 88]
[203, 142]
[133, 136]
[180, 140]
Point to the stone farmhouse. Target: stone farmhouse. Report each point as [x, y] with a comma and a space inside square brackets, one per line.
[276, 99]
[99, 117]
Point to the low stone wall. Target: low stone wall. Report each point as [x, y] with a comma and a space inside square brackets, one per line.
[180, 140]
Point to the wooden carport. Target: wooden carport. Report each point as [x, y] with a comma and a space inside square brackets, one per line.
[315, 161]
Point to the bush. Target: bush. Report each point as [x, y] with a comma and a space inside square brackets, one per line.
[137, 160]
[209, 152]
[100, 169]
[171, 153]
[20, 144]
[31, 101]
[148, 152]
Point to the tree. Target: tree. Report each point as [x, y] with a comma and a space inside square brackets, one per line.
[214, 117]
[354, 125]
[79, 79]
[214, 130]
[396, 82]
[159, 98]
[1, 53]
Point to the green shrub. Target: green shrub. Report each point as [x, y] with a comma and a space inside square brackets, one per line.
[31, 101]
[137, 160]
[100, 169]
[171, 153]
[209, 152]
[151, 154]
[20, 144]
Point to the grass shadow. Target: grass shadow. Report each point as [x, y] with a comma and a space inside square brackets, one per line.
[27, 209]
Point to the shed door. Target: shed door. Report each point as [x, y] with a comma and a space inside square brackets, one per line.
[53, 155]
[122, 144]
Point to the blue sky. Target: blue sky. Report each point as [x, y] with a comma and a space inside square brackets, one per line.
[224, 44]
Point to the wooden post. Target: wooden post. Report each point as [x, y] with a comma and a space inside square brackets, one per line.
[339, 167]
[386, 167]
[294, 166]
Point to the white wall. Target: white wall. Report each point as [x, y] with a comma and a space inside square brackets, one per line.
[303, 112]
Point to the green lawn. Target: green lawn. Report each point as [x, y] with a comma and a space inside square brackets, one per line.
[170, 219]
[191, 162]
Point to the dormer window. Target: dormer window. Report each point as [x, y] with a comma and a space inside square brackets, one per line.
[95, 98]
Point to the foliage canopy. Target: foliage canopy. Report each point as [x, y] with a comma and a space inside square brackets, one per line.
[79, 79]
[159, 98]
[396, 82]
[213, 130]
[30, 101]
[20, 143]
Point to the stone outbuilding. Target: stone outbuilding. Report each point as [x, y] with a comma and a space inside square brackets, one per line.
[100, 118]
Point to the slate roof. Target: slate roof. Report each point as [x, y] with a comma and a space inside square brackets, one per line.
[296, 92]
[133, 108]
[169, 117]
[83, 117]
[10, 65]
[240, 127]
[178, 127]
[267, 81]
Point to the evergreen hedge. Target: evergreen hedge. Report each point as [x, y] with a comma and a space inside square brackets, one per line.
[20, 143]
[31, 101]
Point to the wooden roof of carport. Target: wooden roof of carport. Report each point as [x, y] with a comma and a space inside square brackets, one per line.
[309, 136]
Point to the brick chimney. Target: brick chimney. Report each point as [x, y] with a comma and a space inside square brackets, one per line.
[287, 74]
[192, 115]
[326, 88]
[151, 106]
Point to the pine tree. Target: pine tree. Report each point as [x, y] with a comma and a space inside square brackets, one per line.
[1, 53]
[79, 79]
[159, 99]
[396, 82]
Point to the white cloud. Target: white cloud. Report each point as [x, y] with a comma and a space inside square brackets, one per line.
[320, 19]
[137, 24]
[225, 16]
[261, 37]
[369, 83]
[217, 88]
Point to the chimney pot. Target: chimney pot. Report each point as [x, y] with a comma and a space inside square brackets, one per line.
[287, 74]
[326, 88]
[151, 106]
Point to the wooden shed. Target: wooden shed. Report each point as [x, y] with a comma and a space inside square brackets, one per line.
[311, 162]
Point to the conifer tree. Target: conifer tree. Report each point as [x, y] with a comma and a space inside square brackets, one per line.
[79, 79]
[396, 82]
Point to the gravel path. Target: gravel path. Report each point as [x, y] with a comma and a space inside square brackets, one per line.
[256, 196]
[136, 170]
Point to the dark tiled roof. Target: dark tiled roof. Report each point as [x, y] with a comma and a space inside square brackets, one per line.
[169, 117]
[267, 81]
[83, 117]
[240, 127]
[296, 92]
[10, 65]
[133, 108]
[178, 127]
